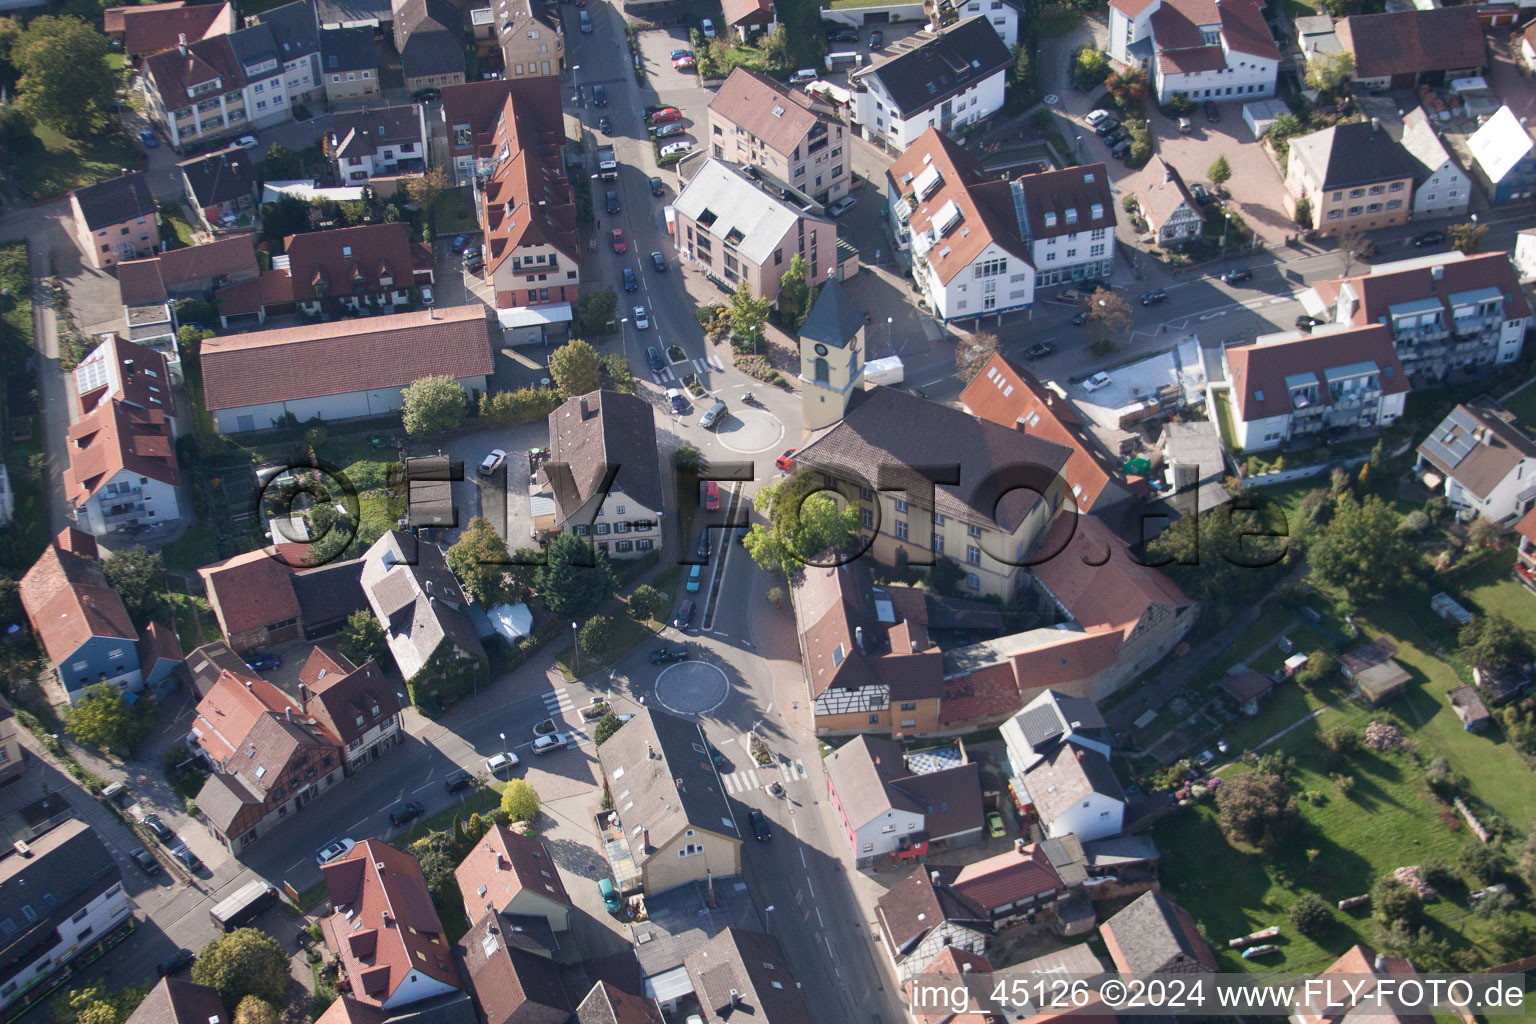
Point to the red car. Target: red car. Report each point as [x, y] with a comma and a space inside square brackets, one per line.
[711, 496]
[666, 114]
[619, 244]
[786, 462]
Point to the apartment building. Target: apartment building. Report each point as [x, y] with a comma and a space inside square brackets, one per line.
[115, 220]
[349, 63]
[198, 90]
[531, 38]
[1197, 49]
[1003, 15]
[1354, 176]
[754, 120]
[943, 80]
[429, 36]
[295, 42]
[382, 141]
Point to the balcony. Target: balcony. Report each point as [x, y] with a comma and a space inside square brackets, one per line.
[121, 513]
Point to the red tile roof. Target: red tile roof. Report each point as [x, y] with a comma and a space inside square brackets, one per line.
[503, 864]
[232, 709]
[1385, 288]
[341, 256]
[1072, 659]
[157, 642]
[78, 542]
[139, 282]
[255, 589]
[774, 114]
[528, 200]
[988, 692]
[117, 438]
[156, 27]
[1259, 372]
[1362, 960]
[120, 370]
[477, 105]
[1014, 398]
[343, 356]
[1007, 878]
[174, 72]
[346, 700]
[1526, 527]
[1096, 579]
[948, 970]
[382, 926]
[748, 12]
[1177, 24]
[1413, 42]
[69, 601]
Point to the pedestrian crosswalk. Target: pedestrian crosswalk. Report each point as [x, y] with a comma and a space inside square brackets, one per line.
[556, 702]
[745, 780]
[669, 375]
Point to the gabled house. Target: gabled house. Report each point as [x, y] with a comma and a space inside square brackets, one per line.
[746, 17]
[1197, 49]
[372, 143]
[1012, 886]
[510, 985]
[210, 661]
[1478, 456]
[423, 612]
[1172, 214]
[1294, 385]
[675, 823]
[920, 917]
[606, 1003]
[744, 975]
[269, 759]
[1503, 158]
[355, 705]
[1375, 672]
[115, 220]
[80, 620]
[153, 28]
[174, 1001]
[471, 113]
[349, 64]
[1003, 14]
[383, 931]
[1354, 176]
[515, 877]
[1154, 935]
[591, 436]
[197, 90]
[122, 451]
[1440, 187]
[221, 187]
[885, 807]
[1058, 751]
[1358, 964]
[429, 37]
[369, 265]
[531, 38]
[160, 659]
[1399, 49]
[295, 32]
[1448, 313]
[944, 80]
[757, 121]
[252, 596]
[192, 271]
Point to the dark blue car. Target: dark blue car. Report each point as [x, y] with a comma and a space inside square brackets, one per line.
[264, 662]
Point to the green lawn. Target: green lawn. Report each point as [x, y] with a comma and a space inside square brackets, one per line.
[1523, 404]
[194, 548]
[1224, 420]
[174, 226]
[627, 635]
[47, 164]
[452, 213]
[195, 624]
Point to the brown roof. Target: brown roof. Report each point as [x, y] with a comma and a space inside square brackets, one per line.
[268, 288]
[1246, 686]
[116, 437]
[173, 72]
[1071, 659]
[1014, 398]
[749, 968]
[886, 427]
[510, 985]
[1260, 371]
[255, 589]
[77, 542]
[343, 356]
[948, 970]
[1160, 191]
[1192, 60]
[1176, 25]
[342, 256]
[1075, 191]
[476, 105]
[1007, 877]
[503, 864]
[870, 777]
[69, 601]
[985, 693]
[914, 906]
[1413, 41]
[1154, 934]
[347, 700]
[1526, 527]
[382, 925]
[600, 431]
[156, 27]
[120, 370]
[233, 708]
[609, 1004]
[361, 132]
[748, 12]
[210, 661]
[228, 256]
[986, 207]
[778, 117]
[1378, 292]
[1362, 960]
[157, 642]
[1478, 446]
[112, 17]
[174, 1001]
[140, 282]
[346, 1010]
[528, 200]
[1097, 580]
[1469, 707]
[828, 609]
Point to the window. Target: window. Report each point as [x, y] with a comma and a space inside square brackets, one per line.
[887, 829]
[1397, 186]
[1354, 211]
[1373, 208]
[1335, 214]
[973, 554]
[865, 494]
[874, 719]
[1394, 204]
[974, 531]
[973, 581]
[901, 506]
[1377, 190]
[901, 529]
[910, 705]
[867, 518]
[938, 543]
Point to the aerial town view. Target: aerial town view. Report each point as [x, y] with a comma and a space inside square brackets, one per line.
[511, 511]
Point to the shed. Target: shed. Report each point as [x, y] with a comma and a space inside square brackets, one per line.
[1293, 664]
[1447, 607]
[1469, 707]
[1246, 689]
[1259, 115]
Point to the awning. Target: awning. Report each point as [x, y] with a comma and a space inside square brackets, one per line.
[535, 316]
[668, 986]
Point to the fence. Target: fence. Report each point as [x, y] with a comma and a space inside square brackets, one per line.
[1285, 476]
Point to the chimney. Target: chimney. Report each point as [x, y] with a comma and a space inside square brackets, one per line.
[1381, 963]
[181, 43]
[680, 787]
[288, 712]
[935, 876]
[303, 697]
[650, 752]
[735, 998]
[858, 637]
[965, 968]
[1018, 847]
[1167, 172]
[586, 410]
[1375, 126]
[249, 687]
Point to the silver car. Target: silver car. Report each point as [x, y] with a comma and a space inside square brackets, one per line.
[713, 415]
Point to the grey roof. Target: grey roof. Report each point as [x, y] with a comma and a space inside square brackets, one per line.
[1106, 853]
[914, 906]
[1052, 715]
[1078, 959]
[1040, 725]
[1478, 446]
[604, 429]
[207, 661]
[740, 975]
[1065, 776]
[295, 28]
[354, 12]
[1352, 154]
[453, 1008]
[255, 44]
[681, 920]
[1155, 934]
[174, 1001]
[358, 133]
[220, 177]
[430, 37]
[510, 984]
[66, 868]
[648, 758]
[115, 200]
[723, 201]
[417, 600]
[329, 594]
[834, 320]
[223, 797]
[347, 49]
[606, 1003]
[955, 60]
[1422, 145]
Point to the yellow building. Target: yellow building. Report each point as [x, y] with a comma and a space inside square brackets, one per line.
[1354, 176]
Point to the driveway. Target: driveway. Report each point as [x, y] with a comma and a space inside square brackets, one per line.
[501, 497]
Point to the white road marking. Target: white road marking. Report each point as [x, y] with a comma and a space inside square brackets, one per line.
[828, 941]
[700, 365]
[426, 787]
[353, 827]
[819, 920]
[931, 383]
[811, 887]
[718, 633]
[295, 865]
[802, 858]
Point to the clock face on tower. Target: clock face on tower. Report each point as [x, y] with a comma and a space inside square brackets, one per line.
[821, 350]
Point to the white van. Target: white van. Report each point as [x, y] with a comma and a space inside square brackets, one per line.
[803, 75]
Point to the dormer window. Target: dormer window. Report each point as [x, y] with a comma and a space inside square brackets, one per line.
[1097, 211]
[1050, 220]
[1072, 215]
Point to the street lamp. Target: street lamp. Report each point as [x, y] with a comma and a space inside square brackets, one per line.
[768, 921]
[888, 321]
[576, 646]
[503, 744]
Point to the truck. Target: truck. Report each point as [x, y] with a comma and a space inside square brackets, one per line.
[888, 371]
[607, 163]
[244, 906]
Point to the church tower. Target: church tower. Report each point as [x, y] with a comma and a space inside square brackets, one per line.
[831, 356]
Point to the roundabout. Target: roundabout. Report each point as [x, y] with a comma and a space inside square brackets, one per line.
[692, 688]
[749, 431]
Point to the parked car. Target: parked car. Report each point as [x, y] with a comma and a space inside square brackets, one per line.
[657, 188]
[695, 578]
[1080, 319]
[684, 63]
[616, 238]
[1153, 297]
[842, 35]
[665, 115]
[760, 827]
[176, 961]
[490, 462]
[1122, 151]
[1306, 323]
[146, 861]
[684, 617]
[405, 811]
[681, 53]
[664, 130]
[604, 124]
[654, 357]
[708, 28]
[599, 96]
[264, 662]
[713, 415]
[611, 201]
[1429, 238]
[641, 320]
[1106, 127]
[1237, 275]
[336, 848]
[428, 95]
[1202, 196]
[498, 763]
[786, 462]
[457, 780]
[157, 828]
[711, 496]
[667, 655]
[1212, 112]
[676, 400]
[628, 277]
[803, 75]
[841, 207]
[703, 547]
[658, 262]
[611, 900]
[248, 142]
[586, 22]
[1097, 381]
[995, 827]
[551, 743]
[1186, 126]
[1040, 351]
[186, 856]
[148, 138]
[676, 148]
[1097, 117]
[876, 39]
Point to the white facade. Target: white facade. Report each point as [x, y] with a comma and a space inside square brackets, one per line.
[127, 499]
[266, 96]
[302, 77]
[1446, 193]
[380, 736]
[1096, 816]
[880, 836]
[416, 987]
[352, 405]
[1123, 31]
[1246, 77]
[385, 161]
[995, 282]
[613, 529]
[1273, 431]
[1082, 255]
[1525, 255]
[91, 922]
[1509, 499]
[881, 118]
[942, 936]
[1002, 14]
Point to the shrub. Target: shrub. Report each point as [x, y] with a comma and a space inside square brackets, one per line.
[1256, 808]
[1481, 864]
[1311, 916]
[1437, 873]
[1393, 902]
[520, 801]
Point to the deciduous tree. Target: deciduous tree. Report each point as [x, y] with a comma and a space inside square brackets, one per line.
[575, 578]
[1311, 916]
[362, 637]
[1467, 238]
[606, 726]
[282, 164]
[803, 523]
[1361, 552]
[104, 719]
[646, 602]
[1256, 808]
[595, 310]
[520, 801]
[1107, 311]
[243, 963]
[138, 575]
[794, 294]
[1327, 71]
[687, 460]
[576, 369]
[596, 635]
[425, 189]
[748, 315]
[255, 1011]
[432, 405]
[1127, 84]
[65, 82]
[479, 559]
[1220, 172]
[1492, 641]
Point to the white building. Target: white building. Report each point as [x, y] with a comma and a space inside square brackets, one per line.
[1525, 254]
[1198, 49]
[1003, 15]
[944, 81]
[1171, 212]
[1058, 749]
[372, 143]
[63, 895]
[1440, 187]
[1484, 461]
[1290, 385]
